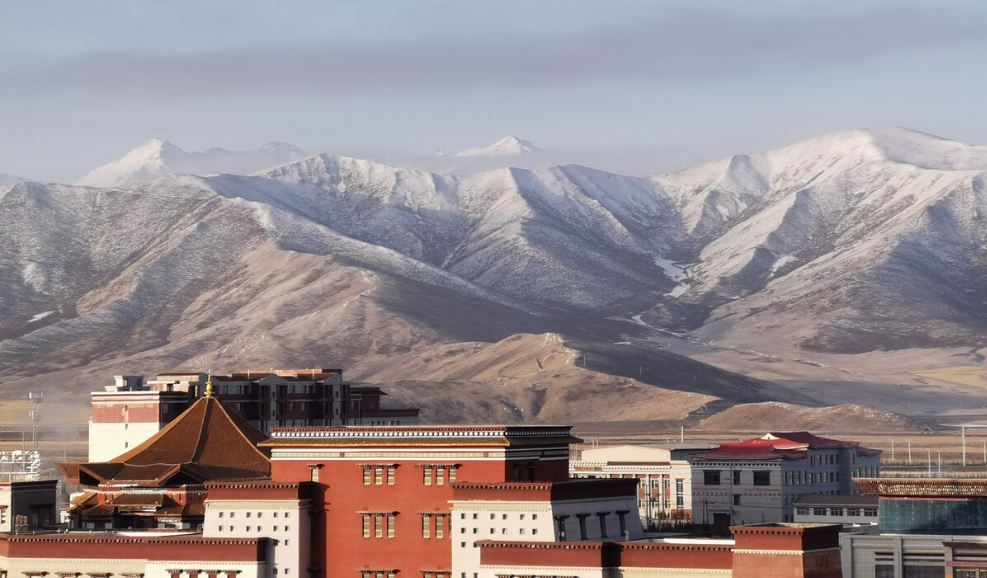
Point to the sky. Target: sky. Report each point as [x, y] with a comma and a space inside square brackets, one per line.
[81, 83]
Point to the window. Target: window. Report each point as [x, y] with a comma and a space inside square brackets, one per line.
[680, 494]
[390, 476]
[534, 516]
[248, 514]
[428, 476]
[853, 511]
[440, 476]
[736, 477]
[818, 511]
[378, 476]
[603, 524]
[802, 511]
[390, 526]
[521, 517]
[379, 527]
[870, 512]
[762, 478]
[711, 477]
[452, 475]
[220, 528]
[366, 476]
[440, 527]
[221, 514]
[426, 527]
[736, 499]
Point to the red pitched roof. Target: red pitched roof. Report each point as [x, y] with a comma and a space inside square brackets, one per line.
[758, 449]
[206, 442]
[781, 445]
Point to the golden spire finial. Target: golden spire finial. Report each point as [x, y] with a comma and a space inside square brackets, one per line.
[209, 385]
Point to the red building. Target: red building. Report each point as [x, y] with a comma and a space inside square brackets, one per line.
[385, 496]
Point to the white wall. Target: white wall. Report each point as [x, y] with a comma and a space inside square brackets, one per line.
[284, 521]
[109, 440]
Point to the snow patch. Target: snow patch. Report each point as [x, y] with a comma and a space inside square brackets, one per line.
[781, 262]
[672, 271]
[40, 316]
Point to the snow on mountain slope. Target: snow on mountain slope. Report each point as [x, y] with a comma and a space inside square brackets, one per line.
[509, 145]
[502, 229]
[851, 232]
[158, 157]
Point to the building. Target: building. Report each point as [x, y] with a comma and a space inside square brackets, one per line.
[760, 551]
[27, 506]
[387, 492]
[759, 480]
[849, 511]
[663, 471]
[210, 496]
[132, 410]
[160, 483]
[929, 528]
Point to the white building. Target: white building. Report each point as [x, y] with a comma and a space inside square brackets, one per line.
[758, 481]
[663, 471]
[277, 511]
[573, 511]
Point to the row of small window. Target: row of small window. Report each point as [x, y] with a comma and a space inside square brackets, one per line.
[804, 478]
[865, 472]
[259, 529]
[378, 525]
[824, 460]
[870, 512]
[374, 476]
[759, 477]
[534, 531]
[259, 514]
[476, 516]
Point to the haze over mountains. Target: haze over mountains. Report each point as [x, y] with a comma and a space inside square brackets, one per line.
[158, 157]
[501, 281]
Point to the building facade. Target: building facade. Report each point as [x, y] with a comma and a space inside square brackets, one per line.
[759, 481]
[663, 471]
[132, 410]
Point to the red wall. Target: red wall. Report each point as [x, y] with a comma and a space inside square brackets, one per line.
[341, 542]
[155, 549]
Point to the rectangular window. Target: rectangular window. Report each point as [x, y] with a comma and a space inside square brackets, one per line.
[379, 527]
[366, 476]
[440, 476]
[440, 527]
[428, 476]
[736, 499]
[853, 511]
[818, 511]
[802, 511]
[680, 494]
[452, 475]
[426, 527]
[711, 477]
[736, 477]
[390, 476]
[390, 526]
[762, 478]
[378, 476]
[836, 511]
[870, 512]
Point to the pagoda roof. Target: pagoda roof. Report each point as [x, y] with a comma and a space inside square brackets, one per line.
[207, 442]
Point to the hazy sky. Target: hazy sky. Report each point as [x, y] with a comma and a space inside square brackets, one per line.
[83, 82]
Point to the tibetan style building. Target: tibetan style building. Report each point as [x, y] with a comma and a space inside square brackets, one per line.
[160, 483]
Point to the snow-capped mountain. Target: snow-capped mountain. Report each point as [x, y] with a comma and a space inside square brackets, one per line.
[851, 242]
[509, 145]
[158, 157]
